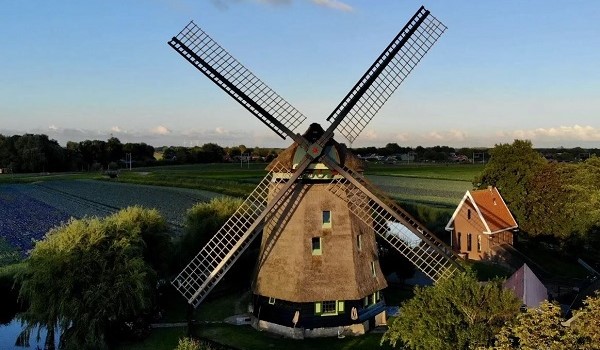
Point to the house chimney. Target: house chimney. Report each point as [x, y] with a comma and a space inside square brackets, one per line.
[490, 188]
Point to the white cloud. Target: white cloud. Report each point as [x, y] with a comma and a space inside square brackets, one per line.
[160, 130]
[221, 131]
[572, 133]
[117, 129]
[52, 127]
[334, 4]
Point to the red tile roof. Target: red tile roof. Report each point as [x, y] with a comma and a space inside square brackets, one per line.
[493, 209]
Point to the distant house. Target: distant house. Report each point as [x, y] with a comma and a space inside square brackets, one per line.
[527, 287]
[481, 222]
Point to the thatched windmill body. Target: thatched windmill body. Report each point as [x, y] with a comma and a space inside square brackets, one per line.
[318, 271]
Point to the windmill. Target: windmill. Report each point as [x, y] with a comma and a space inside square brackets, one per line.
[318, 269]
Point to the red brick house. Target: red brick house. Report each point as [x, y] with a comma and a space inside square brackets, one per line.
[481, 222]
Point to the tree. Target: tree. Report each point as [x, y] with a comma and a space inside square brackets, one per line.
[537, 328]
[88, 275]
[512, 169]
[456, 313]
[203, 220]
[587, 322]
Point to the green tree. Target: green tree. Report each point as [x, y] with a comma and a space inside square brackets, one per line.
[587, 322]
[512, 169]
[88, 275]
[203, 220]
[456, 313]
[538, 328]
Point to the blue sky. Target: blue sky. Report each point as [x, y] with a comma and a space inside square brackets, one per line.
[503, 70]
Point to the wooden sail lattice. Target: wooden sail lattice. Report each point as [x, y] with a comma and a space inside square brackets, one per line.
[430, 255]
[207, 268]
[386, 74]
[229, 74]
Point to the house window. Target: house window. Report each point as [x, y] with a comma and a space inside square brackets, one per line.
[366, 301]
[359, 242]
[340, 305]
[468, 214]
[326, 219]
[316, 246]
[318, 308]
[373, 271]
[469, 247]
[271, 301]
[478, 243]
[458, 241]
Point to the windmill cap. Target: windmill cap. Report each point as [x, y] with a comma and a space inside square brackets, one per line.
[314, 132]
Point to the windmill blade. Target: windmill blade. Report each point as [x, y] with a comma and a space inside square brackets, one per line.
[387, 73]
[209, 266]
[428, 253]
[230, 75]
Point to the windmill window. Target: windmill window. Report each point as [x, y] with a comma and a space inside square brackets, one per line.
[316, 246]
[271, 301]
[326, 219]
[373, 271]
[330, 307]
[459, 241]
[359, 242]
[469, 245]
[375, 297]
[478, 243]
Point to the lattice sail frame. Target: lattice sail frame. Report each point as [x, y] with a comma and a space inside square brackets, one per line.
[209, 266]
[430, 255]
[230, 75]
[387, 73]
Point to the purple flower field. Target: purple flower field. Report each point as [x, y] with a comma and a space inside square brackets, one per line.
[28, 211]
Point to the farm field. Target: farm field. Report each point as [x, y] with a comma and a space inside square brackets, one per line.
[28, 211]
[432, 185]
[36, 203]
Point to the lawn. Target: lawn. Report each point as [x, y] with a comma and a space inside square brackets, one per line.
[247, 338]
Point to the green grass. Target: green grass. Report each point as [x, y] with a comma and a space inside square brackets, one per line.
[247, 338]
[8, 254]
[159, 339]
[486, 271]
[457, 172]
[226, 178]
[35, 177]
[552, 261]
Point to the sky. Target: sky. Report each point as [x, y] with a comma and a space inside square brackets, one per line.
[77, 70]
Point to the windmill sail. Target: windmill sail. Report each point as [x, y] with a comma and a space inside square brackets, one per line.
[230, 75]
[209, 266]
[386, 74]
[394, 225]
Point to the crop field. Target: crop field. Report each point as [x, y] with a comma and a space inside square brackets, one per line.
[33, 204]
[28, 211]
[424, 191]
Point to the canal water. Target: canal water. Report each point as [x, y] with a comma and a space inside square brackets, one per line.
[11, 331]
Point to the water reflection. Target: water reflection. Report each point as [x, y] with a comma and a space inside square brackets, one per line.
[11, 332]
